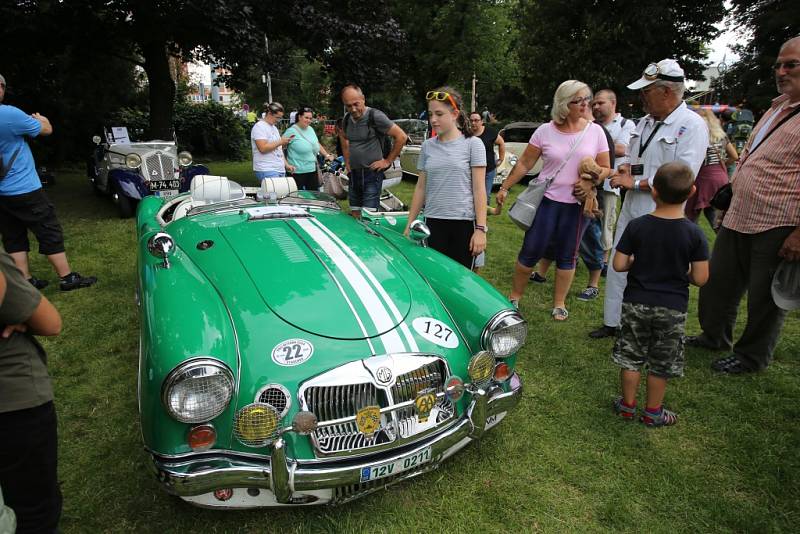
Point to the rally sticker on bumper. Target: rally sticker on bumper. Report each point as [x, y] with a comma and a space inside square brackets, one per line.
[292, 352]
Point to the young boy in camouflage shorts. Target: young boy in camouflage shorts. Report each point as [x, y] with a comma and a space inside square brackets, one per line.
[663, 252]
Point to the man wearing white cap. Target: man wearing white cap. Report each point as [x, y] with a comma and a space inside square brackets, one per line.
[669, 132]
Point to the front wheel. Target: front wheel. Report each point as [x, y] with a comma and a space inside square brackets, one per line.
[126, 205]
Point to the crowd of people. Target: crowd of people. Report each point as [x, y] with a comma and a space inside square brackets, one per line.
[666, 168]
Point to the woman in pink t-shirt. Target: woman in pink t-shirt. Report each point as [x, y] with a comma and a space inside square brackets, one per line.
[559, 221]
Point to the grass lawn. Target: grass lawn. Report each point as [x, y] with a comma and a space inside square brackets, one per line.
[560, 462]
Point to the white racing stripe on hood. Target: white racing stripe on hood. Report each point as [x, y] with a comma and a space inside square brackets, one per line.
[392, 342]
[412, 343]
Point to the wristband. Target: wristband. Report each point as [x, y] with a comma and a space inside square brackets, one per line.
[636, 186]
[482, 228]
[503, 188]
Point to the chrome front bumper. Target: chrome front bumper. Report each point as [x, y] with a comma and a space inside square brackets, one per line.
[286, 477]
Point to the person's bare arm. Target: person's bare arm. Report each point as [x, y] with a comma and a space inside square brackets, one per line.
[525, 163]
[698, 272]
[730, 150]
[265, 146]
[399, 137]
[417, 201]
[501, 149]
[47, 128]
[345, 150]
[45, 321]
[622, 262]
[620, 149]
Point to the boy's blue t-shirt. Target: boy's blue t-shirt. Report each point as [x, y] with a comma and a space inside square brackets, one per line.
[662, 251]
[14, 126]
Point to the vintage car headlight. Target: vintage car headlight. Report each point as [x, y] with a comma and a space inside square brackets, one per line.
[133, 161]
[504, 334]
[198, 390]
[184, 159]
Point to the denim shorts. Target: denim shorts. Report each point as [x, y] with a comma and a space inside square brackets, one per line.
[269, 174]
[365, 189]
[591, 248]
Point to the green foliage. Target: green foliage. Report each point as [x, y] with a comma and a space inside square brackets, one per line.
[607, 43]
[210, 129]
[770, 23]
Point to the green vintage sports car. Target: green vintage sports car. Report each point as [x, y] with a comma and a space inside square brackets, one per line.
[291, 355]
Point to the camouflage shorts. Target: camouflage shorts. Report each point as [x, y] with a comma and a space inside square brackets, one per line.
[652, 336]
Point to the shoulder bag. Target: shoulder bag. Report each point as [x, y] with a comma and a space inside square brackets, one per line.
[523, 210]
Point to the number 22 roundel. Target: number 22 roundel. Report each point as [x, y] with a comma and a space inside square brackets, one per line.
[292, 352]
[436, 331]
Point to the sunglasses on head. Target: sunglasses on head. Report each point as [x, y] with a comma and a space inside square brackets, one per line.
[788, 65]
[441, 96]
[653, 72]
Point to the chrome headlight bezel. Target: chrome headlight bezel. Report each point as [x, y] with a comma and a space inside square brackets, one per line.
[197, 369]
[184, 158]
[496, 326]
[133, 161]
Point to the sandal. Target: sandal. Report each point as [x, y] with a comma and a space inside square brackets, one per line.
[628, 413]
[664, 418]
[730, 365]
[560, 314]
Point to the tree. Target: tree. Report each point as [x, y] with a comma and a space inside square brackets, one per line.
[607, 43]
[769, 23]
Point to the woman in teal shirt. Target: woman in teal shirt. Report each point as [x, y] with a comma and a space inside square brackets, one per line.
[303, 150]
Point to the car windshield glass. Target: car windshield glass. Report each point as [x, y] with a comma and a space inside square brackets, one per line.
[415, 129]
[314, 199]
[221, 206]
[518, 135]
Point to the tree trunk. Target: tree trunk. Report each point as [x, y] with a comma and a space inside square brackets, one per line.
[162, 90]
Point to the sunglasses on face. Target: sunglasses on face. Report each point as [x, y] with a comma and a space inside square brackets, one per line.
[577, 101]
[441, 96]
[788, 65]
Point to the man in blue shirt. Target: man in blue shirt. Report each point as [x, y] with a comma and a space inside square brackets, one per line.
[23, 203]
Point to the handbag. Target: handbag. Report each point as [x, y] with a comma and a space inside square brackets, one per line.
[722, 198]
[332, 185]
[523, 210]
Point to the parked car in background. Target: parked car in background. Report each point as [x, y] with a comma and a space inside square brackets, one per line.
[517, 135]
[417, 131]
[292, 355]
[130, 171]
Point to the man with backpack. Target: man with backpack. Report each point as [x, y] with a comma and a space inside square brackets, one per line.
[367, 149]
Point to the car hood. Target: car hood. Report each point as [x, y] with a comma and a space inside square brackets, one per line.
[144, 148]
[326, 275]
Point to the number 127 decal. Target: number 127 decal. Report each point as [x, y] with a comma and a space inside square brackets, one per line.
[436, 332]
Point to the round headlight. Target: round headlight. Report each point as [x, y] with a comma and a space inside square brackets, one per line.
[256, 424]
[184, 159]
[504, 334]
[480, 368]
[197, 391]
[133, 161]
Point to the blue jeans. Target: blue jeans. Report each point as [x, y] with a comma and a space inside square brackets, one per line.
[269, 174]
[489, 183]
[365, 189]
[591, 249]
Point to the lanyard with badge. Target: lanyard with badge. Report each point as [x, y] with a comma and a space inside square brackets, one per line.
[638, 170]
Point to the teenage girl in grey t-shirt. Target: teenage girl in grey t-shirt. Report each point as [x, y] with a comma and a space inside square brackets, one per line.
[451, 184]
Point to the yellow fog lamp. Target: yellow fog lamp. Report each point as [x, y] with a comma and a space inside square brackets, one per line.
[480, 368]
[256, 424]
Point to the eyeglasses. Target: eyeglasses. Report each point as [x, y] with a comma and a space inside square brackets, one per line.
[577, 101]
[441, 96]
[788, 65]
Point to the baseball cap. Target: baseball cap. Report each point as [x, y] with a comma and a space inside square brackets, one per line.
[786, 285]
[666, 69]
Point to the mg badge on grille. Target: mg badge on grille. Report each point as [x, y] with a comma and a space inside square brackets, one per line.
[424, 402]
[368, 420]
[384, 375]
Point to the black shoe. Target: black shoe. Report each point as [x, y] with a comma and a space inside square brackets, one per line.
[603, 331]
[38, 283]
[701, 342]
[75, 281]
[538, 278]
[730, 365]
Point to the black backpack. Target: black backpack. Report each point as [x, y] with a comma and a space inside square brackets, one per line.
[383, 140]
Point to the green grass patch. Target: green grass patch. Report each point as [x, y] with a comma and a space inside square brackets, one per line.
[560, 462]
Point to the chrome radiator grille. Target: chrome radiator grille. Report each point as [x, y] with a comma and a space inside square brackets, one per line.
[332, 402]
[159, 167]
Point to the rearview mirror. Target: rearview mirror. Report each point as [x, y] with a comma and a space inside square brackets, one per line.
[419, 232]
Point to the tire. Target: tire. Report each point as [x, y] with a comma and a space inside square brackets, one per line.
[126, 205]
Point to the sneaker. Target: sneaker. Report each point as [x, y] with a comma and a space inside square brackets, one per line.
[603, 331]
[628, 413]
[590, 293]
[38, 283]
[75, 281]
[730, 365]
[663, 417]
[538, 278]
